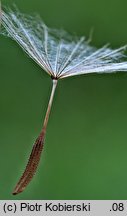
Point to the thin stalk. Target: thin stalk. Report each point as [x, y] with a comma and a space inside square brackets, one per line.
[36, 150]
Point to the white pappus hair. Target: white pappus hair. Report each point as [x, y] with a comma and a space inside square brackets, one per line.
[57, 52]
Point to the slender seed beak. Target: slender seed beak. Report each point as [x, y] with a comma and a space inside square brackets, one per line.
[35, 155]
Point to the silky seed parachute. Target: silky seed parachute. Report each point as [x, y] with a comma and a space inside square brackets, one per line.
[60, 55]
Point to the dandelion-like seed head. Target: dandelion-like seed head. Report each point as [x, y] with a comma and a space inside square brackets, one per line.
[57, 52]
[61, 55]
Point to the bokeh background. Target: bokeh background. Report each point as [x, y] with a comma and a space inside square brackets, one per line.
[85, 155]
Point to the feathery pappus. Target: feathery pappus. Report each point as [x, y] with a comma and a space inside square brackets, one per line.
[61, 55]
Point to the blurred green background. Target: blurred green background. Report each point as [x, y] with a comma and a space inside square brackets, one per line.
[85, 155]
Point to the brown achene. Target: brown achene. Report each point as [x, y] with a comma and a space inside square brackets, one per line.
[60, 55]
[36, 150]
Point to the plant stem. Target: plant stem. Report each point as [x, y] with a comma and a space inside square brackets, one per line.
[36, 150]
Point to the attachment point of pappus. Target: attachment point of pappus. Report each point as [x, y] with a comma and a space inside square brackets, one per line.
[54, 78]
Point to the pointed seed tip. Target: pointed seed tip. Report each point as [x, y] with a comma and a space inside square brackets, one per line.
[14, 193]
[17, 191]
